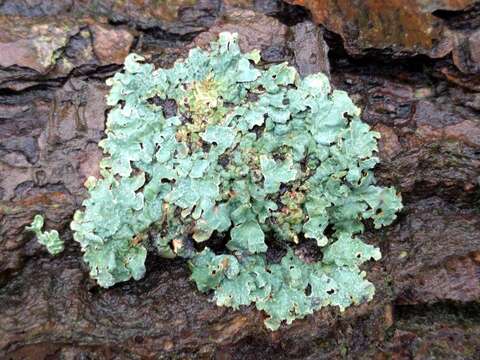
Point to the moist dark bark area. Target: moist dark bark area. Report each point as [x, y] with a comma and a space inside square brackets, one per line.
[422, 96]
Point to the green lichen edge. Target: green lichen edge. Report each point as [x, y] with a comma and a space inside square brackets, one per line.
[50, 239]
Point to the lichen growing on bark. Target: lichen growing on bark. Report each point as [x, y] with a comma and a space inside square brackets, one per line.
[253, 152]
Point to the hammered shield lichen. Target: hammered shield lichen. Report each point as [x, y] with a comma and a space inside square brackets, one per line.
[217, 144]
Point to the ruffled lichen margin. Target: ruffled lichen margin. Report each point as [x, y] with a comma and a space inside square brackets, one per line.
[218, 144]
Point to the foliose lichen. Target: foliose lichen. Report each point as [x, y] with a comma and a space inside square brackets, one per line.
[219, 145]
[50, 239]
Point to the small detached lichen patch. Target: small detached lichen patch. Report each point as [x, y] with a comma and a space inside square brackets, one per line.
[219, 145]
[49, 239]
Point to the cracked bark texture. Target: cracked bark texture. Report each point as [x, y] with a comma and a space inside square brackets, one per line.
[420, 91]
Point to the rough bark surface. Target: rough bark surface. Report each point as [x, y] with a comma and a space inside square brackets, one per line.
[421, 92]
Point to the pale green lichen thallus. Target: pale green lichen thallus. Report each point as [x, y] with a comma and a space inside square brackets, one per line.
[219, 144]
